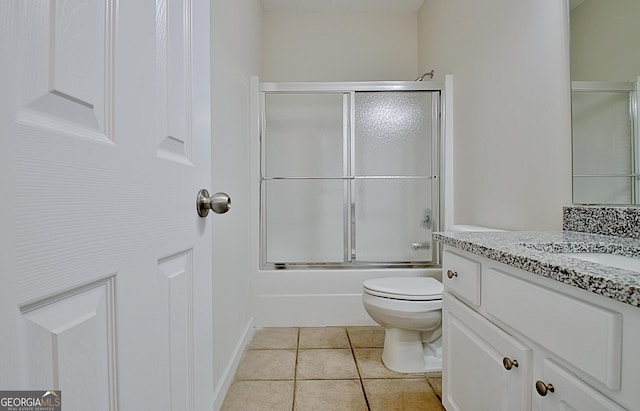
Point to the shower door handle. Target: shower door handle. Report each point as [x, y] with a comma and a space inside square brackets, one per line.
[219, 203]
[421, 246]
[426, 218]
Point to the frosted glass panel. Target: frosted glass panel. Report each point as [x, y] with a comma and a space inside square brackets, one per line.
[304, 220]
[393, 133]
[390, 218]
[601, 133]
[602, 190]
[303, 135]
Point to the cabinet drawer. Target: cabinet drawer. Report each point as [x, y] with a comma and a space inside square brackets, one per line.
[585, 335]
[461, 276]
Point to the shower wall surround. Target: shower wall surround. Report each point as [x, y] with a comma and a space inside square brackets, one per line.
[608, 220]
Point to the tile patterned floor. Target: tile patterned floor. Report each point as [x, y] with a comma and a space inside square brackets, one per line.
[324, 369]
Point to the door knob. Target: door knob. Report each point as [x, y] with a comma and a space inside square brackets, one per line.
[219, 203]
[508, 363]
[543, 388]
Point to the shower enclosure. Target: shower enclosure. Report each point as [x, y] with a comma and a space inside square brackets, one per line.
[349, 174]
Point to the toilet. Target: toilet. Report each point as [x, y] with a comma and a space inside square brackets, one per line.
[410, 308]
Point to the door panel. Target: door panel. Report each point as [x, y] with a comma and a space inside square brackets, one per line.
[173, 64]
[178, 283]
[70, 343]
[65, 77]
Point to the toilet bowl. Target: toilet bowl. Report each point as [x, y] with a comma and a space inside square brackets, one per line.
[410, 308]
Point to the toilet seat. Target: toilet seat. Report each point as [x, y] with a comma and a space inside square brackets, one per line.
[405, 288]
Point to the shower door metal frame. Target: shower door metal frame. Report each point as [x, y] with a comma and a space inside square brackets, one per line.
[632, 89]
[348, 90]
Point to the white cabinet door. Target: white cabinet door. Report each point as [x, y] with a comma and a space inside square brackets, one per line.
[474, 375]
[105, 282]
[569, 392]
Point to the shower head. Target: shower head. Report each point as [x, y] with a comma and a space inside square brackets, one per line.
[428, 73]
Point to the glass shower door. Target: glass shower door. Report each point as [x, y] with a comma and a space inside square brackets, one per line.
[349, 178]
[303, 178]
[394, 176]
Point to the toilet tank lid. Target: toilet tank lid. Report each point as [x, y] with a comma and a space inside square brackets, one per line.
[405, 286]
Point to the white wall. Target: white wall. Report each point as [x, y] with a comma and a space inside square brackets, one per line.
[339, 46]
[512, 151]
[236, 55]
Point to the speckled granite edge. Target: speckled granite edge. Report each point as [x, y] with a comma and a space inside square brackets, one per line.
[618, 221]
[537, 252]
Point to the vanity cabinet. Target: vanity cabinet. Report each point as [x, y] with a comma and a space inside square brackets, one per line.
[514, 340]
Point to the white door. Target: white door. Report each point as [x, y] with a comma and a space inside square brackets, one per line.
[105, 288]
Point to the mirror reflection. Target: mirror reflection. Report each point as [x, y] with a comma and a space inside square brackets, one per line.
[605, 74]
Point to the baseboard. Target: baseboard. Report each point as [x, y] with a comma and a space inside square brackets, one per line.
[227, 376]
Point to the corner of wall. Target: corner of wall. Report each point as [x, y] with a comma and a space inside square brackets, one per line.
[227, 376]
[448, 179]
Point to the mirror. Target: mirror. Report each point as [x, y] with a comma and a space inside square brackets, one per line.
[605, 73]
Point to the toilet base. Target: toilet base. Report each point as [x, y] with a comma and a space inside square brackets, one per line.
[405, 352]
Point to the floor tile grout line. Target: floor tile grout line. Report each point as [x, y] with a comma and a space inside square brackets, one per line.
[353, 354]
[433, 388]
[295, 371]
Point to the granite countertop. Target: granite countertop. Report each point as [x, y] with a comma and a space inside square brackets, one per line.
[537, 252]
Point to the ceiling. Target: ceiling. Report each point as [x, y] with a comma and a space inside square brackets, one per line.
[342, 5]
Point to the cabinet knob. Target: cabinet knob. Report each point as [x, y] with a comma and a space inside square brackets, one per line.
[451, 274]
[543, 388]
[508, 363]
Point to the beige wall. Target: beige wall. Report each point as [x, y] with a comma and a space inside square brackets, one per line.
[512, 160]
[354, 46]
[604, 40]
[235, 57]
[511, 90]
